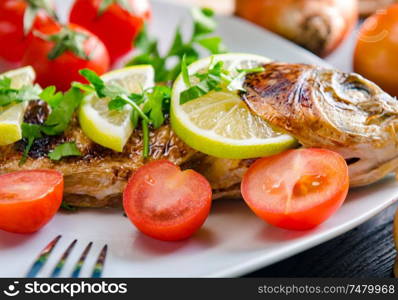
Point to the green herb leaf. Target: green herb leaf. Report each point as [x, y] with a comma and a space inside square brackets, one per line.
[95, 80]
[236, 83]
[145, 133]
[177, 47]
[184, 72]
[9, 95]
[63, 106]
[61, 115]
[213, 44]
[155, 103]
[5, 83]
[117, 104]
[103, 90]
[51, 96]
[168, 67]
[29, 132]
[215, 79]
[64, 150]
[203, 21]
[145, 43]
[66, 206]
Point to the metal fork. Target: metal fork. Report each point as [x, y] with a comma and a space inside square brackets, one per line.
[45, 254]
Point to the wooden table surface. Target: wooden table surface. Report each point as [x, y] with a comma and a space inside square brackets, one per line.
[366, 251]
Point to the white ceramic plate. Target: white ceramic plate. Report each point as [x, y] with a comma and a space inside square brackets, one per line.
[232, 242]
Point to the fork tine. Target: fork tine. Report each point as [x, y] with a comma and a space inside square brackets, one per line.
[80, 262]
[42, 258]
[60, 264]
[99, 265]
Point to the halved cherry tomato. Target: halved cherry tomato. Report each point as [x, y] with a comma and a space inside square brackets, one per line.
[29, 199]
[297, 189]
[167, 203]
[63, 68]
[13, 39]
[117, 26]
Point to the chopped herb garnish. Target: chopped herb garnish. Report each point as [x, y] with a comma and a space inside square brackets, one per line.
[64, 150]
[62, 106]
[61, 114]
[145, 134]
[66, 206]
[29, 132]
[9, 95]
[150, 106]
[216, 78]
[203, 25]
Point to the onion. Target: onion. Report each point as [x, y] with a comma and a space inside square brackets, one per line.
[318, 25]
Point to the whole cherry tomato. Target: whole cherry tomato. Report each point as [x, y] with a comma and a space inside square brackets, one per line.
[117, 23]
[57, 53]
[14, 27]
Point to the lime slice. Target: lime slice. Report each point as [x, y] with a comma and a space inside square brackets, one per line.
[11, 116]
[112, 129]
[219, 123]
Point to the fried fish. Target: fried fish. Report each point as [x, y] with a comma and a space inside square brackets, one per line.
[98, 177]
[321, 108]
[330, 109]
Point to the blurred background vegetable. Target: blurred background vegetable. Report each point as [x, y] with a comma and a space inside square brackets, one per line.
[57, 53]
[376, 52]
[368, 7]
[116, 22]
[17, 20]
[318, 25]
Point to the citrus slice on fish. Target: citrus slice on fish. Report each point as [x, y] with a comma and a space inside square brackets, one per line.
[112, 129]
[11, 116]
[219, 123]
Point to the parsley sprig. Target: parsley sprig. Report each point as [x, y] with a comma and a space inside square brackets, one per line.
[9, 95]
[168, 66]
[148, 108]
[216, 78]
[64, 150]
[63, 106]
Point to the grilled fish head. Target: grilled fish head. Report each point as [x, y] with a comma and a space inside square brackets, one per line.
[330, 109]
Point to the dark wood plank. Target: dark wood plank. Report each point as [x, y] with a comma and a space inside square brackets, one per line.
[366, 251]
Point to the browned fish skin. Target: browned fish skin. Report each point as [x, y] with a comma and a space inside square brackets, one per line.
[98, 177]
[330, 109]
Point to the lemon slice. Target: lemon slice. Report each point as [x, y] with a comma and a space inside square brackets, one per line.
[112, 129]
[219, 123]
[11, 116]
